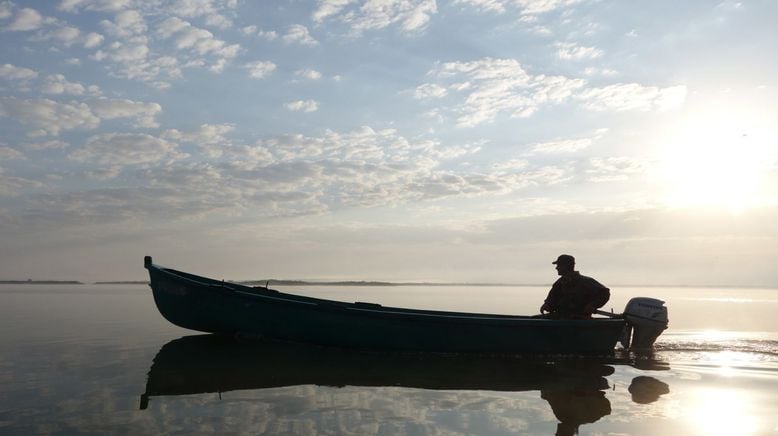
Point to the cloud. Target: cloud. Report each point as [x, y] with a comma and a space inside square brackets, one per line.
[11, 72]
[171, 26]
[103, 173]
[247, 156]
[125, 149]
[210, 9]
[409, 15]
[534, 7]
[209, 137]
[205, 134]
[527, 7]
[615, 168]
[568, 145]
[203, 189]
[26, 19]
[441, 185]
[270, 35]
[218, 20]
[143, 113]
[369, 167]
[486, 88]
[573, 51]
[93, 40]
[285, 175]
[57, 84]
[200, 41]
[492, 86]
[512, 165]
[94, 5]
[193, 8]
[429, 90]
[129, 55]
[632, 96]
[53, 144]
[5, 10]
[125, 204]
[297, 33]
[562, 146]
[66, 34]
[59, 32]
[126, 24]
[308, 74]
[7, 153]
[143, 69]
[606, 72]
[303, 106]
[329, 8]
[498, 6]
[260, 69]
[11, 186]
[49, 117]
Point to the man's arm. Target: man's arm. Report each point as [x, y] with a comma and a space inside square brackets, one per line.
[552, 300]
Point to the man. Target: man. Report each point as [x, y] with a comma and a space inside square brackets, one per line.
[573, 296]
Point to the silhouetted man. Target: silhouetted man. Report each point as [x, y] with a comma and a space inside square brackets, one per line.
[573, 296]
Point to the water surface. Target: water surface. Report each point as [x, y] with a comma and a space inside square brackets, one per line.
[100, 359]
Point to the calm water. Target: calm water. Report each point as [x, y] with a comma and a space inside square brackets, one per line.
[100, 359]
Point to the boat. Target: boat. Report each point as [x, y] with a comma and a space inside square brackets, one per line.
[227, 308]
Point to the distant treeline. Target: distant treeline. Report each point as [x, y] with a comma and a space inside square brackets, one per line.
[125, 282]
[40, 282]
[306, 283]
[361, 283]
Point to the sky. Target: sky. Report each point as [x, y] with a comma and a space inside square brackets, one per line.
[398, 140]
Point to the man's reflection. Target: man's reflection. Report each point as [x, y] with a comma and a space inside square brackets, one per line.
[582, 401]
[573, 408]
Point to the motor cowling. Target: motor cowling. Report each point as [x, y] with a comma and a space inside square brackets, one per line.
[646, 320]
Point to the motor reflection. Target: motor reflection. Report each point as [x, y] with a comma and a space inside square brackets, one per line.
[645, 389]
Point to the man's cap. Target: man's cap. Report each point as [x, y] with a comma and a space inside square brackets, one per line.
[564, 259]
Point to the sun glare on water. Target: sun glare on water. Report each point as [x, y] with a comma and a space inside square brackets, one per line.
[722, 412]
[719, 159]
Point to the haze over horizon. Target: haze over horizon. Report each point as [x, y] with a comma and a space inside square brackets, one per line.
[390, 140]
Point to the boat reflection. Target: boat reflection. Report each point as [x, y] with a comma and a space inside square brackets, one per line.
[198, 364]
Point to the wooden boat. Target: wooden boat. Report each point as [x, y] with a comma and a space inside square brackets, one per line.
[202, 364]
[213, 306]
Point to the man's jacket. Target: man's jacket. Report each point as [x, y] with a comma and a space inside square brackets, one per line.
[570, 295]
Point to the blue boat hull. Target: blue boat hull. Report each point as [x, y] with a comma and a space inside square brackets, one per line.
[213, 306]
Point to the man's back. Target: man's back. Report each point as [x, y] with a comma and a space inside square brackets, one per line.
[574, 295]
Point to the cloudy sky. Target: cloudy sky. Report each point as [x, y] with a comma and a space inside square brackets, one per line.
[402, 140]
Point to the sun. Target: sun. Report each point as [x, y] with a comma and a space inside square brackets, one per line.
[720, 158]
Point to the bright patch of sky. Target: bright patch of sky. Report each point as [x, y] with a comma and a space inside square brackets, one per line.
[389, 139]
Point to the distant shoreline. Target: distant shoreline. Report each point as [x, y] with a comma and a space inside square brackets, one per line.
[40, 282]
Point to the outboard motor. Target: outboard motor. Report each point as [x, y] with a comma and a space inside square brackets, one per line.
[646, 320]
